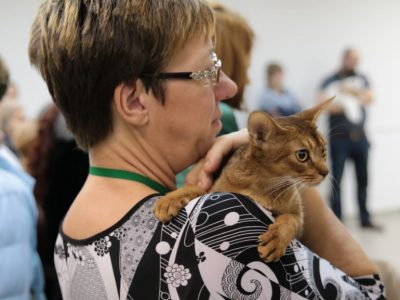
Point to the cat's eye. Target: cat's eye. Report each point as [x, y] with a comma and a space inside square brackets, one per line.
[302, 155]
[324, 152]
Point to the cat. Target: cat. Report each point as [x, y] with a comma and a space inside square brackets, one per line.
[283, 156]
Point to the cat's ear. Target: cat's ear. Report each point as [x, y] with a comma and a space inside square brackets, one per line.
[261, 126]
[313, 113]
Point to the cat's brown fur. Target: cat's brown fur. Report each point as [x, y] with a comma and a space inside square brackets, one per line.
[268, 171]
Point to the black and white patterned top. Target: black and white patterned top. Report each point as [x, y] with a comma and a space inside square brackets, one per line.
[209, 251]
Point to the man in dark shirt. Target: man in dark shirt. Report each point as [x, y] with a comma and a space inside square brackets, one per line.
[347, 137]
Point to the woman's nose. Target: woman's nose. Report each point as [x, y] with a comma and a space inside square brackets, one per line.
[225, 88]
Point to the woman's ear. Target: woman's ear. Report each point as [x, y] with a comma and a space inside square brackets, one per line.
[130, 104]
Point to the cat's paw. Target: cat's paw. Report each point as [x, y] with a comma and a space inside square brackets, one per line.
[169, 206]
[273, 243]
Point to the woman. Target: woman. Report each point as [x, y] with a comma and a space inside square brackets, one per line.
[139, 85]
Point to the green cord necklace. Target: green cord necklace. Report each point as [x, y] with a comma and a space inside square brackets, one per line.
[121, 174]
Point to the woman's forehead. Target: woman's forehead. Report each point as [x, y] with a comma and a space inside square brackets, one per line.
[195, 53]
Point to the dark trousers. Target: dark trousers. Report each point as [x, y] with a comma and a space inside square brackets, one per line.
[342, 149]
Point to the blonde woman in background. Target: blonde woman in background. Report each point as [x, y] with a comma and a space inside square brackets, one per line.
[235, 40]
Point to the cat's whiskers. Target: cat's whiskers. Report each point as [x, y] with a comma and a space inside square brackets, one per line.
[333, 135]
[337, 133]
[283, 182]
[330, 184]
[338, 126]
[312, 180]
[279, 181]
[298, 187]
[291, 186]
[271, 191]
[278, 178]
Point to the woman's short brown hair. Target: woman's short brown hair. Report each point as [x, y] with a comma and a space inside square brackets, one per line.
[234, 44]
[85, 48]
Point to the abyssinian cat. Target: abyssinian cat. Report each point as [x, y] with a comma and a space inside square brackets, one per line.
[283, 156]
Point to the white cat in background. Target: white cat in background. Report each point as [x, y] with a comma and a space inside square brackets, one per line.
[350, 104]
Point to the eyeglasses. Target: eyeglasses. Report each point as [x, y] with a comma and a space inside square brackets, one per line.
[211, 73]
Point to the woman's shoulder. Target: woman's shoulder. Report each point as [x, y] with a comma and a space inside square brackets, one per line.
[140, 212]
[229, 208]
[229, 198]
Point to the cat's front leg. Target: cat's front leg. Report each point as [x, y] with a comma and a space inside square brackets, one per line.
[168, 206]
[273, 243]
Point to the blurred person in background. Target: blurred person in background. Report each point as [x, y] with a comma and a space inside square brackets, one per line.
[60, 170]
[23, 139]
[347, 138]
[11, 116]
[12, 92]
[21, 275]
[235, 43]
[276, 99]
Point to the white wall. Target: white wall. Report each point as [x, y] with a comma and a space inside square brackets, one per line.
[16, 18]
[308, 37]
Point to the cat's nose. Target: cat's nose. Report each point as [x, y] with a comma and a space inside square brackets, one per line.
[323, 172]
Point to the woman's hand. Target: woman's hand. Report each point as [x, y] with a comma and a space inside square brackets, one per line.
[201, 173]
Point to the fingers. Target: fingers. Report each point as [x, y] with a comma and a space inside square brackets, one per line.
[193, 176]
[224, 145]
[198, 176]
[205, 180]
[202, 173]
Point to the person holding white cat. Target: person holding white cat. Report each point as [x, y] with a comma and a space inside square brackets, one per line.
[347, 138]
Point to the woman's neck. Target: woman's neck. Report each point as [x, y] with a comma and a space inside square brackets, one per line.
[133, 154]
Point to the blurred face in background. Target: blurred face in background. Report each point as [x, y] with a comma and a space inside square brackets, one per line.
[350, 60]
[15, 120]
[276, 80]
[11, 116]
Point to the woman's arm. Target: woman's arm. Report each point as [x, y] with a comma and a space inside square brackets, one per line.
[230, 265]
[325, 235]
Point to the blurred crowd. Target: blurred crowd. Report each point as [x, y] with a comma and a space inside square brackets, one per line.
[44, 148]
